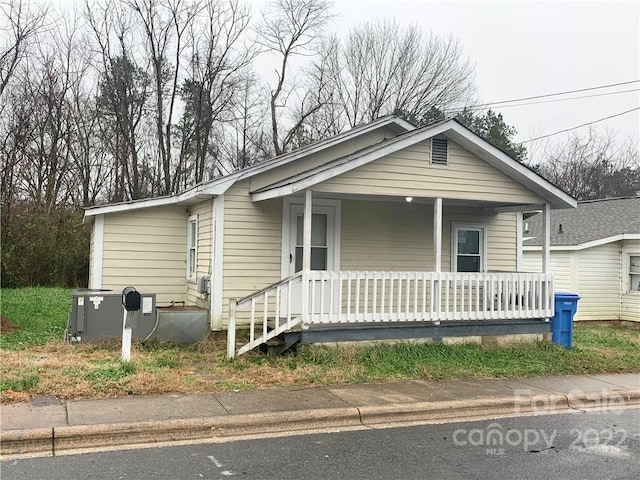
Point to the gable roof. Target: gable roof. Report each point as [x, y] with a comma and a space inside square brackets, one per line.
[219, 185]
[592, 223]
[408, 135]
[452, 129]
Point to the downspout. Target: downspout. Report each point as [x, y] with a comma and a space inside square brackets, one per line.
[621, 281]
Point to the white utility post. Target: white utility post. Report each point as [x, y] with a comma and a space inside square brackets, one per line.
[130, 305]
[126, 335]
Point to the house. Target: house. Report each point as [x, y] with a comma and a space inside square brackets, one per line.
[595, 252]
[382, 226]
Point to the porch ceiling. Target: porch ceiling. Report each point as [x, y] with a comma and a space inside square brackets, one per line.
[447, 202]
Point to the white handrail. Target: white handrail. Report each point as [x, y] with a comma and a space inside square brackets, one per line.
[266, 303]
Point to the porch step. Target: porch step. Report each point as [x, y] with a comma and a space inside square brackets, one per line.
[281, 344]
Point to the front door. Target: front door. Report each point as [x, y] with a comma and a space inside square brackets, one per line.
[324, 240]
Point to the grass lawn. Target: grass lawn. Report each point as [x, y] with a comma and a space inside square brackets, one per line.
[35, 360]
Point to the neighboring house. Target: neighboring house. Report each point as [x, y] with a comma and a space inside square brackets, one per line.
[595, 252]
[408, 225]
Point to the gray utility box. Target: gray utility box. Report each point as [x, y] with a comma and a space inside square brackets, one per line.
[98, 314]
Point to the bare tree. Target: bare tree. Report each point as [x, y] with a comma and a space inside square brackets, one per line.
[593, 166]
[122, 99]
[383, 67]
[20, 23]
[290, 28]
[164, 25]
[218, 64]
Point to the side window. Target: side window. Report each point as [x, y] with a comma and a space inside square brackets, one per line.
[468, 248]
[192, 246]
[634, 273]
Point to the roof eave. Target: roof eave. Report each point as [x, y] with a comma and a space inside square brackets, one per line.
[193, 195]
[590, 244]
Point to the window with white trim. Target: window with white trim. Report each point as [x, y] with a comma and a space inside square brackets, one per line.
[469, 248]
[192, 247]
[440, 151]
[634, 273]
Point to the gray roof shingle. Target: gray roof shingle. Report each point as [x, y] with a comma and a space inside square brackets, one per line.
[591, 220]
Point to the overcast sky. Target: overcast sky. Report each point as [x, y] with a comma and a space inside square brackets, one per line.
[528, 48]
[523, 49]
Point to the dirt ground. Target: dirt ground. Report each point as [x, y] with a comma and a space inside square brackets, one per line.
[6, 326]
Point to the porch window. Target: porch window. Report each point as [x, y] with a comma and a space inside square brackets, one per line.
[469, 248]
[319, 247]
[192, 246]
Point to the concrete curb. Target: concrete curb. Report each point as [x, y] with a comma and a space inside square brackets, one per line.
[32, 440]
[456, 409]
[605, 400]
[54, 440]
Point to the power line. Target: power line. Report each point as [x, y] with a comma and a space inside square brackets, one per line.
[565, 99]
[548, 95]
[580, 126]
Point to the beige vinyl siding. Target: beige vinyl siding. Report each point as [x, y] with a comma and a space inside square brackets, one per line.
[379, 236]
[147, 248]
[592, 273]
[409, 173]
[203, 262]
[398, 236]
[630, 308]
[599, 282]
[320, 158]
[561, 266]
[252, 244]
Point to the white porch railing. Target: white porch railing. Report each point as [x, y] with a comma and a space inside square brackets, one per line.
[270, 314]
[349, 297]
[352, 297]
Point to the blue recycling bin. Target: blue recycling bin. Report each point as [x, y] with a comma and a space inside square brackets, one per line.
[566, 306]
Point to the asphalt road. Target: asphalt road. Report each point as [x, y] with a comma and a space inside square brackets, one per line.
[569, 446]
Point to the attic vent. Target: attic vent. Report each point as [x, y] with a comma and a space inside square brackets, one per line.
[439, 151]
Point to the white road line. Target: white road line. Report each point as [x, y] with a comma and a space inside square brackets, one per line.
[219, 464]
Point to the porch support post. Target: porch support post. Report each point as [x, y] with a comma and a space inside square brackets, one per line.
[437, 235]
[437, 255]
[306, 253]
[546, 238]
[519, 240]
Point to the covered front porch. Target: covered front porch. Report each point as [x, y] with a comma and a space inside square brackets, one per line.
[332, 298]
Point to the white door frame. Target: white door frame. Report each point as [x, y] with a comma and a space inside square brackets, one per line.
[287, 204]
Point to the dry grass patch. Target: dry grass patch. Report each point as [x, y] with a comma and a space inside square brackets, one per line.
[95, 370]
